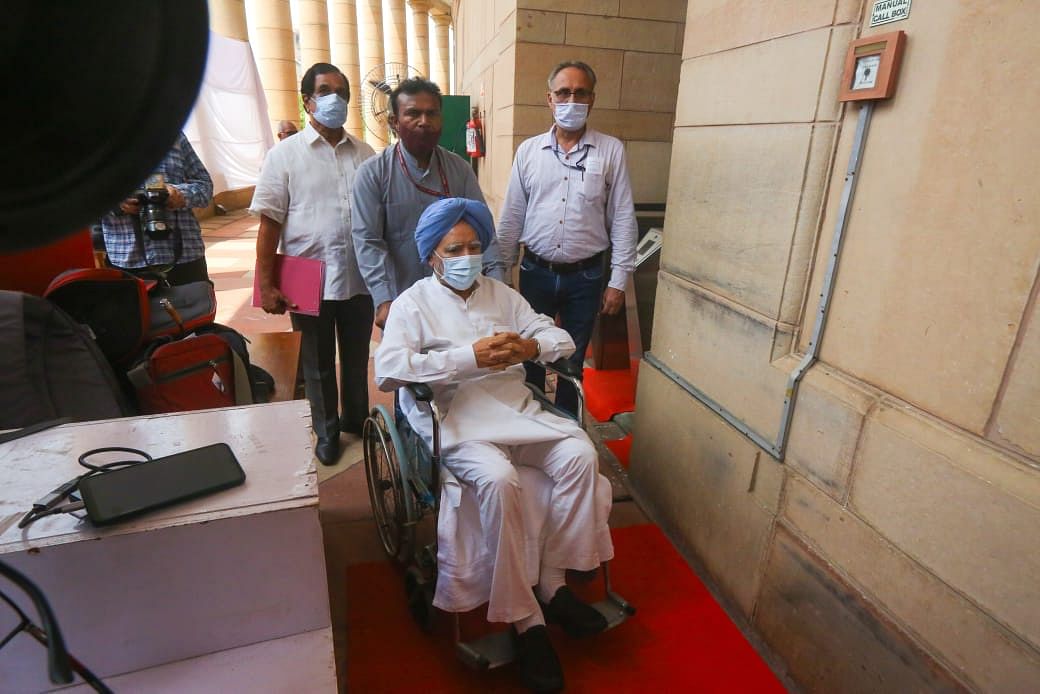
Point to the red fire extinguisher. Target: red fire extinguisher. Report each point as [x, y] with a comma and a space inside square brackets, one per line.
[475, 135]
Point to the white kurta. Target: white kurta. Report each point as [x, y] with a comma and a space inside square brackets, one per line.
[489, 420]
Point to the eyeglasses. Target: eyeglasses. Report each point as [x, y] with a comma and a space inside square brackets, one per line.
[561, 95]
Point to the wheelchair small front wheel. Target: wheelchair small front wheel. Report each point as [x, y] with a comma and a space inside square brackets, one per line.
[386, 488]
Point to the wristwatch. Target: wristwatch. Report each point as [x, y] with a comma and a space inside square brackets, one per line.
[537, 349]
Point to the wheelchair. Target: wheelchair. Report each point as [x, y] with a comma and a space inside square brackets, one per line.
[403, 486]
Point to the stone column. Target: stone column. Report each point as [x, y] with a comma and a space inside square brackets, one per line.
[271, 36]
[228, 18]
[395, 26]
[419, 40]
[370, 33]
[440, 60]
[313, 24]
[343, 45]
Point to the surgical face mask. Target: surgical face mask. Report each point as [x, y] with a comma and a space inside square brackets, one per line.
[571, 115]
[460, 273]
[330, 110]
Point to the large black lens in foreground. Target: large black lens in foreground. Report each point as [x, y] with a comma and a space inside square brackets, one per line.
[94, 96]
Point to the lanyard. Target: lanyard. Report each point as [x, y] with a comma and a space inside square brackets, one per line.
[446, 192]
[576, 166]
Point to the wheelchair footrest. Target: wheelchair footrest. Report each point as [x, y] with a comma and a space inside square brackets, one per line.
[496, 649]
[487, 652]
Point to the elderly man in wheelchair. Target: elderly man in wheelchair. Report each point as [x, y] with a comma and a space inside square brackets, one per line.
[521, 499]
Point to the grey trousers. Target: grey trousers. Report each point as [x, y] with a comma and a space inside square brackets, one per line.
[347, 323]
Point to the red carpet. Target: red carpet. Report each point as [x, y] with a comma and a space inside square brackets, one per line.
[609, 392]
[680, 640]
[621, 448]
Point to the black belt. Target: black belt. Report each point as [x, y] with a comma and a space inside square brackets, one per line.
[564, 268]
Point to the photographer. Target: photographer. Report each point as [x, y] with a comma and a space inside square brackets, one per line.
[154, 230]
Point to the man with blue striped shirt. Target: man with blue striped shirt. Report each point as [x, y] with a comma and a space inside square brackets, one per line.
[569, 201]
[182, 254]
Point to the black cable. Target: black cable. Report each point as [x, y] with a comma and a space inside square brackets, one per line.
[51, 503]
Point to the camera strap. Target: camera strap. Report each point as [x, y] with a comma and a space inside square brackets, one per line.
[178, 242]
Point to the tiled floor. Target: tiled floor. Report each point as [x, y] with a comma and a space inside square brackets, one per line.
[349, 532]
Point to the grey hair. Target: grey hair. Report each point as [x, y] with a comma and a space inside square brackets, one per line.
[584, 67]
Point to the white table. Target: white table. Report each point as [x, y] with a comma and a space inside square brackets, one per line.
[243, 567]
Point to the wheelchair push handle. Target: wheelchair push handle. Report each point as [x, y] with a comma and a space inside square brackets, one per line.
[564, 367]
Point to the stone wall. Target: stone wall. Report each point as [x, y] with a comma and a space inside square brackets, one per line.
[894, 550]
[506, 48]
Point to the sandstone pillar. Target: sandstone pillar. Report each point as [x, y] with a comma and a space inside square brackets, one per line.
[313, 24]
[271, 36]
[395, 27]
[228, 18]
[419, 39]
[440, 60]
[370, 34]
[343, 47]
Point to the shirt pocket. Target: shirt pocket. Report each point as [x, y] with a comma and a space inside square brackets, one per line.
[593, 188]
[401, 218]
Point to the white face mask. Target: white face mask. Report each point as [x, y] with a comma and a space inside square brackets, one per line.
[570, 115]
[460, 273]
[330, 110]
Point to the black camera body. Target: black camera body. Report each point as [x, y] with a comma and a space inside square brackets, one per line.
[152, 212]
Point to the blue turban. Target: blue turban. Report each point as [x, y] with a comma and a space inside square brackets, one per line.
[439, 218]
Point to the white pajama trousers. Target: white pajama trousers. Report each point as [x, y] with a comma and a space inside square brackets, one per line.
[575, 524]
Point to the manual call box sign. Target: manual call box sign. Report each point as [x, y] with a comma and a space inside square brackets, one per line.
[871, 67]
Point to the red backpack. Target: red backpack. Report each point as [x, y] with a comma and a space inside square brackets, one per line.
[125, 312]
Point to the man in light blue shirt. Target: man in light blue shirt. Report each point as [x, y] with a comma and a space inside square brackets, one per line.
[569, 201]
[391, 191]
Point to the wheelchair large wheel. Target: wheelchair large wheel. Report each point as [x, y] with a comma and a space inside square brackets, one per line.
[386, 489]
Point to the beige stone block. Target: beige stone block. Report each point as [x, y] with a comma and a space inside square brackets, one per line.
[650, 82]
[976, 647]
[810, 211]
[828, 418]
[667, 10]
[540, 27]
[718, 25]
[501, 88]
[720, 348]
[503, 8]
[500, 163]
[733, 208]
[828, 107]
[529, 121]
[707, 483]
[829, 637]
[599, 7]
[941, 249]
[534, 61]
[1017, 421]
[625, 34]
[648, 170]
[633, 125]
[773, 82]
[967, 512]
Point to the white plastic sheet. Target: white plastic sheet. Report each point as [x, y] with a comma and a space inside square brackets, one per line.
[229, 127]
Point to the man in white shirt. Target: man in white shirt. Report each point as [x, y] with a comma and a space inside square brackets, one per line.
[303, 201]
[466, 335]
[569, 200]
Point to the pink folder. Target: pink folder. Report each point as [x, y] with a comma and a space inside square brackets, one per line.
[300, 279]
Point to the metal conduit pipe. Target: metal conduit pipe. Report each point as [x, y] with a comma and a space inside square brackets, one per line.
[778, 448]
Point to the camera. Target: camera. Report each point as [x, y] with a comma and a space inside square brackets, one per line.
[152, 213]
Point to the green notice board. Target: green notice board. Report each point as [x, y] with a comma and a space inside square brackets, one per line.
[456, 114]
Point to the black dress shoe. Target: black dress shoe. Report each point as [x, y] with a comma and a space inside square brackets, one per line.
[327, 450]
[536, 660]
[577, 618]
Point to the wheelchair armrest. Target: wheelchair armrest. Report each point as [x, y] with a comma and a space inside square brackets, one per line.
[422, 392]
[564, 367]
